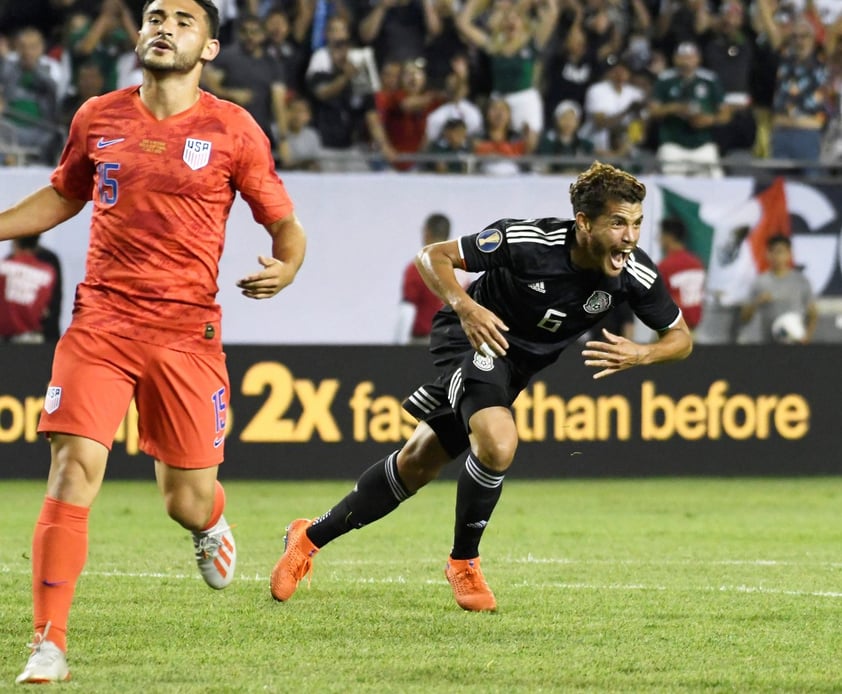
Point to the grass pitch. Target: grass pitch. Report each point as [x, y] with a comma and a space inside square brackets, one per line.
[603, 586]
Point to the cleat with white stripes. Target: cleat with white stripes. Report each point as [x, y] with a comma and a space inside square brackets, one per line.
[216, 554]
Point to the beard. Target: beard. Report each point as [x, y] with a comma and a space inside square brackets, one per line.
[601, 256]
[170, 62]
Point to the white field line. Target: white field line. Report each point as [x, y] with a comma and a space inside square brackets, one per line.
[544, 585]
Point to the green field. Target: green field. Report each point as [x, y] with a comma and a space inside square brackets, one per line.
[603, 586]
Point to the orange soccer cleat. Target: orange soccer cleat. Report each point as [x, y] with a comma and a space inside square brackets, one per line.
[469, 587]
[295, 563]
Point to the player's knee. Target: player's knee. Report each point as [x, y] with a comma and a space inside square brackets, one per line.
[494, 438]
[496, 453]
[76, 470]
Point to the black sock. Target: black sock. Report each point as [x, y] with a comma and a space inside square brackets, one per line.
[477, 493]
[378, 491]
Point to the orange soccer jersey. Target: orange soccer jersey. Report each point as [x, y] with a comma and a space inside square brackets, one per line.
[162, 192]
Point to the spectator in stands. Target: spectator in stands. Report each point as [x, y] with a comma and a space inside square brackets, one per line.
[48, 16]
[782, 289]
[513, 43]
[832, 135]
[562, 140]
[444, 48]
[681, 21]
[31, 98]
[103, 38]
[312, 20]
[688, 102]
[569, 71]
[390, 83]
[300, 146]
[284, 50]
[49, 59]
[453, 142]
[772, 28]
[683, 272]
[245, 74]
[345, 115]
[404, 115]
[456, 106]
[390, 87]
[89, 82]
[638, 45]
[611, 105]
[729, 52]
[27, 286]
[800, 99]
[499, 143]
[398, 29]
[603, 22]
[366, 77]
[418, 304]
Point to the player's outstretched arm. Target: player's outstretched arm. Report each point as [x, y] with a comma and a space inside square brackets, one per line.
[40, 211]
[288, 245]
[616, 353]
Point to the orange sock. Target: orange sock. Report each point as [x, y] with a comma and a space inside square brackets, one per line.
[59, 551]
[218, 506]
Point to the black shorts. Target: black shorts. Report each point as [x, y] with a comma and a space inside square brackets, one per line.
[468, 382]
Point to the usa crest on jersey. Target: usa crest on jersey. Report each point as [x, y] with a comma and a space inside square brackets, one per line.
[53, 399]
[196, 153]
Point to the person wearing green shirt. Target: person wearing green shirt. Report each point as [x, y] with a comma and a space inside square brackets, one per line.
[688, 101]
[562, 140]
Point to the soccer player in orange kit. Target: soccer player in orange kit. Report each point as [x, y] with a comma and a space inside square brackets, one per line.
[162, 163]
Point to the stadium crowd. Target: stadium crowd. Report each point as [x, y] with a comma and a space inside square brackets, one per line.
[497, 86]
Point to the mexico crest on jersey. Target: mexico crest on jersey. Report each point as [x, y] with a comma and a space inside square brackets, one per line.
[196, 153]
[597, 302]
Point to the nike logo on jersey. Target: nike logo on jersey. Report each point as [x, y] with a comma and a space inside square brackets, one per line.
[102, 142]
[53, 584]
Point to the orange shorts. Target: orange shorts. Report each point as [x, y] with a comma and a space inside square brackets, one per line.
[181, 397]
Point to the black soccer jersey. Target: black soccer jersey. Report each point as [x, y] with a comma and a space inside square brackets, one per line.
[547, 302]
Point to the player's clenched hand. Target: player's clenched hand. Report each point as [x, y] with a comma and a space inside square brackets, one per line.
[274, 276]
[615, 354]
[484, 330]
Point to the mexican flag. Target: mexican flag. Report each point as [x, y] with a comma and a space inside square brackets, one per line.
[733, 248]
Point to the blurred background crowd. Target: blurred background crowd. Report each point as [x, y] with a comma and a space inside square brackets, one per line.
[488, 86]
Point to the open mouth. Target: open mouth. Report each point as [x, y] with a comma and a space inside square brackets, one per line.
[161, 45]
[619, 257]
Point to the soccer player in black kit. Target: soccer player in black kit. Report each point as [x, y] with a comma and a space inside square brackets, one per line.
[545, 282]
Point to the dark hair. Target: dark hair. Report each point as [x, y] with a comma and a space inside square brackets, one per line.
[601, 183]
[779, 238]
[27, 242]
[211, 15]
[454, 123]
[438, 226]
[673, 226]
